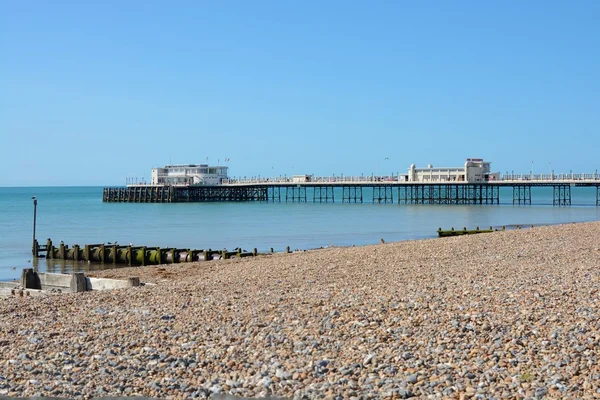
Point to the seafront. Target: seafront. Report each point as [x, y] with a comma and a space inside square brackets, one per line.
[505, 315]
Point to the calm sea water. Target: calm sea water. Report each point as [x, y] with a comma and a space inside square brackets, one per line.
[77, 215]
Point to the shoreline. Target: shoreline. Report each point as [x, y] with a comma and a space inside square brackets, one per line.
[504, 314]
[96, 265]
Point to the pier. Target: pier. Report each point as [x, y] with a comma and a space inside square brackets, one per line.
[471, 183]
[375, 189]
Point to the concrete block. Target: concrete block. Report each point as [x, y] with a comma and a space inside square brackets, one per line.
[133, 281]
[78, 282]
[51, 281]
[107, 284]
[30, 279]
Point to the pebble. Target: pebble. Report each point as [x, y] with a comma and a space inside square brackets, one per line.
[501, 315]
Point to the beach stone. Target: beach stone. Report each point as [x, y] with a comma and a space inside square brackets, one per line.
[459, 317]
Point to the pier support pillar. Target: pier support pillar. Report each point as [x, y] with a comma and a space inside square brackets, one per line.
[323, 194]
[561, 195]
[382, 194]
[295, 194]
[352, 194]
[522, 195]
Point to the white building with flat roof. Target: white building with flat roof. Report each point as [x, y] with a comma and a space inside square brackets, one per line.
[189, 174]
[474, 170]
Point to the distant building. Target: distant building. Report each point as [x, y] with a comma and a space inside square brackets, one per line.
[302, 178]
[190, 174]
[474, 170]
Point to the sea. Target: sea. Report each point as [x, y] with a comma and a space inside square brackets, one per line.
[77, 215]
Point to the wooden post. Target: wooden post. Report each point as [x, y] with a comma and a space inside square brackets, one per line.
[49, 249]
[61, 251]
[114, 254]
[205, 255]
[143, 250]
[287, 249]
[76, 252]
[254, 252]
[102, 254]
[129, 255]
[86, 252]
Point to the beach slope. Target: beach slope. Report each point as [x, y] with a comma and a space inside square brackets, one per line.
[504, 314]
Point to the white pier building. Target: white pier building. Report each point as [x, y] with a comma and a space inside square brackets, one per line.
[474, 170]
[189, 174]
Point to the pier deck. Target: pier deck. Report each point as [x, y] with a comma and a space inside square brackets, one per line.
[384, 189]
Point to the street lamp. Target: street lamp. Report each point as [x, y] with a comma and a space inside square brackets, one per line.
[33, 246]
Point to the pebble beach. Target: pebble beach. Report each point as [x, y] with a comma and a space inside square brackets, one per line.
[504, 315]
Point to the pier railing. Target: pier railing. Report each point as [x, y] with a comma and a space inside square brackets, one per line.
[342, 179]
[314, 179]
[550, 177]
[396, 179]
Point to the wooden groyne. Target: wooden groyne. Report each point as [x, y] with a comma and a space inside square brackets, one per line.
[132, 255]
[463, 231]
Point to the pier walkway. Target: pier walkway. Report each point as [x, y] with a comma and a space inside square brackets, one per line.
[359, 189]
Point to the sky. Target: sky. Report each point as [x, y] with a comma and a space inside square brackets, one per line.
[95, 92]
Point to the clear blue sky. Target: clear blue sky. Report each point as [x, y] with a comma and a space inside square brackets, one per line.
[92, 92]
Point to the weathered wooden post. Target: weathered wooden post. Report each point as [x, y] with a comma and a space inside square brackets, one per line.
[102, 254]
[114, 254]
[76, 252]
[255, 252]
[61, 250]
[143, 250]
[159, 255]
[49, 249]
[86, 252]
[205, 253]
[129, 255]
[287, 249]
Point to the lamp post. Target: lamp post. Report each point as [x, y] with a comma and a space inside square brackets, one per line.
[33, 246]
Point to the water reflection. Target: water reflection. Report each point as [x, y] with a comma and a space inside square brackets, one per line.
[69, 266]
